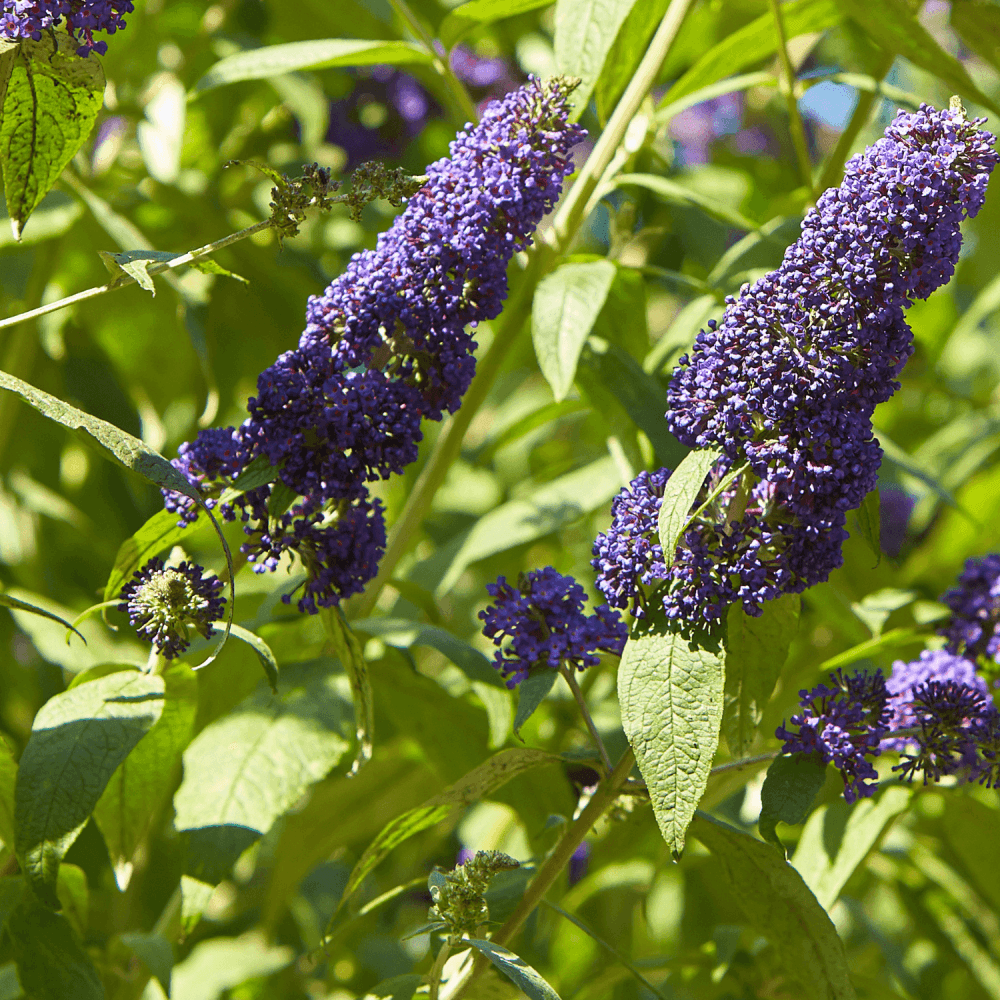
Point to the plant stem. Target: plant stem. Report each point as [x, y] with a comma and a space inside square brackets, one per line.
[788, 88]
[434, 976]
[571, 212]
[127, 279]
[733, 765]
[567, 672]
[456, 89]
[607, 792]
[556, 240]
[834, 169]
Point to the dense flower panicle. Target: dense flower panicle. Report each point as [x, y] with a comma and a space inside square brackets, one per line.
[789, 379]
[845, 724]
[164, 603]
[385, 346]
[974, 627]
[932, 666]
[443, 262]
[544, 620]
[29, 18]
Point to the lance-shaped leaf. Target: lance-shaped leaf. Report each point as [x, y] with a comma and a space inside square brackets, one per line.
[78, 739]
[352, 659]
[670, 689]
[778, 904]
[531, 692]
[567, 303]
[144, 780]
[792, 783]
[51, 963]
[679, 496]
[51, 102]
[679, 194]
[527, 979]
[263, 651]
[319, 53]
[497, 771]
[247, 768]
[12, 602]
[475, 13]
[756, 650]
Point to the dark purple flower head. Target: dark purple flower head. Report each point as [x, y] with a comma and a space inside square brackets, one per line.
[974, 627]
[932, 666]
[543, 617]
[164, 603]
[404, 306]
[845, 724]
[29, 18]
[789, 379]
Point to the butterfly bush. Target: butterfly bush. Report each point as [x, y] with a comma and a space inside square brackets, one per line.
[936, 711]
[544, 620]
[973, 626]
[386, 345]
[29, 18]
[164, 603]
[785, 386]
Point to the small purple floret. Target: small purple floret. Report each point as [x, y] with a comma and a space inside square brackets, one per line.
[21, 19]
[974, 627]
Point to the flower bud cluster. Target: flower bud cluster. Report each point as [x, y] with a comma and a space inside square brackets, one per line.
[459, 903]
[164, 603]
[788, 381]
[544, 620]
[29, 18]
[936, 711]
[386, 346]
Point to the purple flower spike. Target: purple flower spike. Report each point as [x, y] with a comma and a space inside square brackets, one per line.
[788, 381]
[544, 619]
[974, 627]
[164, 603]
[845, 724]
[29, 18]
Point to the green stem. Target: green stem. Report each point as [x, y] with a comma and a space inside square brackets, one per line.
[456, 89]
[600, 802]
[567, 672]
[571, 211]
[834, 169]
[434, 976]
[788, 88]
[556, 240]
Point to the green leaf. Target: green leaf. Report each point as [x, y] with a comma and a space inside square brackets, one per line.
[792, 783]
[897, 638]
[679, 497]
[78, 739]
[675, 193]
[869, 517]
[837, 838]
[247, 768]
[403, 633]
[144, 780]
[972, 830]
[585, 32]
[135, 264]
[670, 689]
[629, 47]
[8, 780]
[756, 650]
[55, 215]
[259, 472]
[321, 53]
[220, 964]
[606, 368]
[352, 659]
[159, 533]
[753, 44]
[547, 509]
[195, 896]
[893, 25]
[52, 100]
[156, 953]
[527, 980]
[489, 776]
[51, 963]
[12, 602]
[11, 891]
[531, 692]
[567, 302]
[778, 904]
[209, 266]
[74, 897]
[476, 13]
[261, 648]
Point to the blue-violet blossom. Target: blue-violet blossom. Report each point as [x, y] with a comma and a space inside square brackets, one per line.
[544, 620]
[29, 18]
[974, 626]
